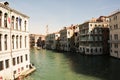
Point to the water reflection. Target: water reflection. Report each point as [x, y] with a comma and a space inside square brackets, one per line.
[58, 66]
[103, 67]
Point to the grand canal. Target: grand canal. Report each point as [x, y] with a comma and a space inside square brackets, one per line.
[66, 66]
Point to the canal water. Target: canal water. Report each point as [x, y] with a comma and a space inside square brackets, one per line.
[52, 65]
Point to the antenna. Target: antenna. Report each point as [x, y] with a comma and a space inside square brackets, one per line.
[46, 29]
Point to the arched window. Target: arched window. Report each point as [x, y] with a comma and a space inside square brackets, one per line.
[0, 18]
[25, 24]
[12, 24]
[13, 41]
[0, 42]
[20, 41]
[16, 42]
[17, 23]
[5, 20]
[5, 42]
[20, 23]
[25, 41]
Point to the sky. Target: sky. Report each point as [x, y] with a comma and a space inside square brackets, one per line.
[61, 13]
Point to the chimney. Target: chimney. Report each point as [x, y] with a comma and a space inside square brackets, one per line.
[6, 3]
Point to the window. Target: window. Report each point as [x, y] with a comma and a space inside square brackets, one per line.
[115, 17]
[5, 42]
[21, 58]
[1, 65]
[95, 25]
[116, 36]
[96, 50]
[13, 41]
[91, 50]
[5, 20]
[0, 18]
[15, 72]
[7, 63]
[20, 41]
[12, 22]
[68, 33]
[26, 57]
[110, 27]
[16, 23]
[14, 62]
[100, 37]
[22, 68]
[87, 50]
[100, 50]
[116, 45]
[90, 24]
[110, 19]
[116, 26]
[18, 60]
[25, 23]
[100, 30]
[116, 52]
[20, 23]
[16, 42]
[56, 35]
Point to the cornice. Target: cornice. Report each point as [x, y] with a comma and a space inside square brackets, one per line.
[13, 10]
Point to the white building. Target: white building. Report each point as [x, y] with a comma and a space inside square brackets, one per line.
[114, 23]
[51, 40]
[14, 43]
[65, 36]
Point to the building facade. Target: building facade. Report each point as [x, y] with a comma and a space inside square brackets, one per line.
[34, 39]
[114, 24]
[74, 40]
[14, 43]
[51, 40]
[65, 35]
[91, 36]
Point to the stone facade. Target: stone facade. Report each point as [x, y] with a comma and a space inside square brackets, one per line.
[51, 40]
[114, 25]
[14, 42]
[91, 36]
[65, 36]
[34, 38]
